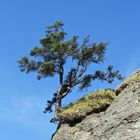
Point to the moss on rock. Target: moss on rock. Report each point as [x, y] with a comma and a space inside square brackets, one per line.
[131, 80]
[92, 103]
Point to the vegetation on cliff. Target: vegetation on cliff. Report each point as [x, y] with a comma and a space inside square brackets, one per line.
[95, 102]
[92, 103]
[131, 80]
[121, 120]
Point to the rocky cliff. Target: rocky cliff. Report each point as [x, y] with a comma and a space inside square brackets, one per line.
[121, 120]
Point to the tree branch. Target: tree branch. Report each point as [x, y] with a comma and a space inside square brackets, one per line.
[80, 74]
[85, 78]
[61, 72]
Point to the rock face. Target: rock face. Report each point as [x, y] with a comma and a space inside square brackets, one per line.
[121, 120]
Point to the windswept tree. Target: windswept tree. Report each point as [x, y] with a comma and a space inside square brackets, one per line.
[51, 57]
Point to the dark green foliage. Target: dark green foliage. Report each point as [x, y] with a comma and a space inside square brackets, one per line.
[50, 59]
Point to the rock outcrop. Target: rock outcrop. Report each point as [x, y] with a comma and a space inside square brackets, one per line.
[120, 121]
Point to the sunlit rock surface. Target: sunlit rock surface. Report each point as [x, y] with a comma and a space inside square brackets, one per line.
[120, 121]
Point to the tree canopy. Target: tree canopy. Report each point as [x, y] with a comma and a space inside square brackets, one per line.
[55, 52]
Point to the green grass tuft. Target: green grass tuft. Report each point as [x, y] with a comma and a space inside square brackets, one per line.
[92, 103]
[131, 80]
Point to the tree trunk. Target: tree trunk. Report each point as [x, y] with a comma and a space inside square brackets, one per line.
[58, 106]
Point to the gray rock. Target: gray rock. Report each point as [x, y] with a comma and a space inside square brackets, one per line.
[121, 121]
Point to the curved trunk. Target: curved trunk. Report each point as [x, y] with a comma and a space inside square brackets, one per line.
[58, 106]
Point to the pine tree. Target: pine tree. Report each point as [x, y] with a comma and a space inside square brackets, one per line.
[50, 59]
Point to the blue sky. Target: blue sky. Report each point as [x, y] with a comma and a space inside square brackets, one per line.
[22, 25]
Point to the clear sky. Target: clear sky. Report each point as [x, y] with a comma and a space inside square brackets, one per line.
[22, 25]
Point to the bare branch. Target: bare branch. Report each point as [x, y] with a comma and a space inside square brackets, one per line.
[82, 71]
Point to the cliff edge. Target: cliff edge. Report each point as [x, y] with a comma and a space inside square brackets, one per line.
[115, 116]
